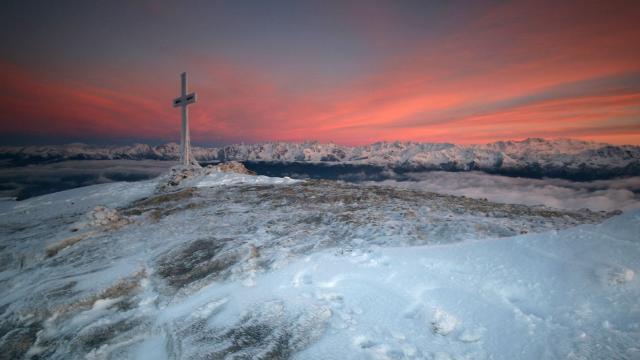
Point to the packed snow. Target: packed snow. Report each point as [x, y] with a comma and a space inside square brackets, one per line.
[226, 265]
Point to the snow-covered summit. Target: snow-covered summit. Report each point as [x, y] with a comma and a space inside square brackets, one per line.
[240, 266]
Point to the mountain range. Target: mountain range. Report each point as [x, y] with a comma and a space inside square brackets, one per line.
[533, 157]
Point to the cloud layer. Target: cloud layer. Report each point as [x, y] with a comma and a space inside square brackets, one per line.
[616, 194]
[622, 194]
[28, 181]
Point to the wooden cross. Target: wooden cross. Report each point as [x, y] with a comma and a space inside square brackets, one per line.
[185, 140]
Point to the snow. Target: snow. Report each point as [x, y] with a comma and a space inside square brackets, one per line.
[221, 179]
[522, 297]
[257, 267]
[79, 199]
[529, 297]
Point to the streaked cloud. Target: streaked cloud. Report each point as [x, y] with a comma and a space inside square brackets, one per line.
[464, 74]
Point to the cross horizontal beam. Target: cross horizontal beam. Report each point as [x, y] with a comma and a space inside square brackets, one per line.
[184, 100]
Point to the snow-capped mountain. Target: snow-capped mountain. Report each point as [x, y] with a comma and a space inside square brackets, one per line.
[563, 158]
[531, 157]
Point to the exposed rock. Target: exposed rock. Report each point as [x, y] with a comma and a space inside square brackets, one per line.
[92, 339]
[178, 175]
[164, 204]
[54, 249]
[99, 220]
[233, 167]
[15, 343]
[102, 216]
[181, 176]
[161, 200]
[270, 331]
[197, 260]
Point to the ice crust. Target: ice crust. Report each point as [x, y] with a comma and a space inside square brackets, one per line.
[240, 266]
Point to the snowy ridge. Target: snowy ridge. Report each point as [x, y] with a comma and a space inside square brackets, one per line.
[563, 158]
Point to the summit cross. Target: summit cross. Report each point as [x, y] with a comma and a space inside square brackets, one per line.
[186, 158]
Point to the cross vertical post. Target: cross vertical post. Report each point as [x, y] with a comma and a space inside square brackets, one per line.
[186, 159]
[185, 152]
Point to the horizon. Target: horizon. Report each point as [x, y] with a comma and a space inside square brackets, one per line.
[309, 141]
[352, 73]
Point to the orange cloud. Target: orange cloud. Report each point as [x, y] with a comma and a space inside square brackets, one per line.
[40, 106]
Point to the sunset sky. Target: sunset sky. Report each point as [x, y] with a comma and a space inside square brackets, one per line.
[352, 72]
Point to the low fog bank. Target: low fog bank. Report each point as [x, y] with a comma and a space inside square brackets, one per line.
[33, 180]
[622, 194]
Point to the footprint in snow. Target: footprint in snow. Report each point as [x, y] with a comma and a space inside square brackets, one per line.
[614, 275]
[471, 335]
[301, 278]
[443, 323]
[364, 342]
